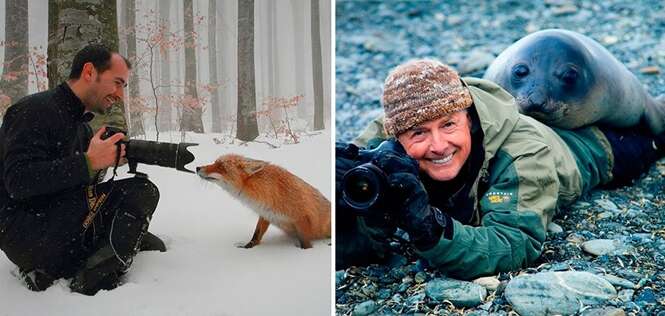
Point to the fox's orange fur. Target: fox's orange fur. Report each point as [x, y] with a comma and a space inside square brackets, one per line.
[279, 197]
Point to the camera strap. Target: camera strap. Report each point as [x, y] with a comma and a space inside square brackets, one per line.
[117, 161]
[94, 204]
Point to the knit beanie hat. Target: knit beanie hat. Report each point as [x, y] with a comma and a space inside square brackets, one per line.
[419, 91]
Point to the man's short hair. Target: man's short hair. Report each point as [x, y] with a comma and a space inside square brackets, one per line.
[97, 54]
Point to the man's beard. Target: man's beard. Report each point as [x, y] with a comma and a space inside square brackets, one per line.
[98, 107]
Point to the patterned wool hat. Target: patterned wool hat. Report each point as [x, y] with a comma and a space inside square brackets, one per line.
[419, 91]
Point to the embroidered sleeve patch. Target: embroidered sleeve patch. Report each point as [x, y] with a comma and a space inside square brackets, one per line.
[499, 197]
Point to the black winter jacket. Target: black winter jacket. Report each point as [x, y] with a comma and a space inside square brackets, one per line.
[43, 139]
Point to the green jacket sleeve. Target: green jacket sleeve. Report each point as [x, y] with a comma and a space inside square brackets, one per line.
[515, 210]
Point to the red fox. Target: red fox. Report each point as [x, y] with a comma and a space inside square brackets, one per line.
[276, 195]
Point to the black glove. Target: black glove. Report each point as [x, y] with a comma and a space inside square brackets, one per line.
[412, 211]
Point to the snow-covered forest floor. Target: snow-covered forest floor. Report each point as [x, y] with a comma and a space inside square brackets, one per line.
[203, 272]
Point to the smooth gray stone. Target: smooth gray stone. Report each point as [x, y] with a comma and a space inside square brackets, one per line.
[604, 311]
[557, 292]
[554, 228]
[490, 283]
[364, 308]
[617, 281]
[599, 247]
[476, 60]
[626, 295]
[460, 293]
[607, 205]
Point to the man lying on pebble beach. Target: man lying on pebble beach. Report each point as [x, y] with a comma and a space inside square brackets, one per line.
[473, 182]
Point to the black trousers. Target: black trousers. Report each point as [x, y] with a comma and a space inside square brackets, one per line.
[51, 238]
[634, 150]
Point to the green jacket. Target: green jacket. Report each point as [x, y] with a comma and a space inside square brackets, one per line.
[530, 171]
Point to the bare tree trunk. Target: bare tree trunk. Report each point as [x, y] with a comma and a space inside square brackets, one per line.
[272, 51]
[14, 83]
[317, 66]
[74, 24]
[212, 55]
[165, 112]
[191, 116]
[247, 128]
[297, 7]
[135, 114]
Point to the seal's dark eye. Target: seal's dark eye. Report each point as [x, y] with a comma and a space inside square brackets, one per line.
[521, 71]
[569, 77]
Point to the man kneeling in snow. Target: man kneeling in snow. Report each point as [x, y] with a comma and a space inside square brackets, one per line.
[55, 220]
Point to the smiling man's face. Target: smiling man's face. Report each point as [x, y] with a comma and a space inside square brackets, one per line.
[107, 87]
[440, 146]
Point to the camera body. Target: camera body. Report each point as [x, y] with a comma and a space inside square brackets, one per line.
[153, 153]
[364, 186]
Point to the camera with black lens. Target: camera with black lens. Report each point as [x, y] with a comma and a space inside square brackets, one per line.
[153, 153]
[364, 187]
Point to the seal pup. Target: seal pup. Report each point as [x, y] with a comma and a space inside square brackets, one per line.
[568, 80]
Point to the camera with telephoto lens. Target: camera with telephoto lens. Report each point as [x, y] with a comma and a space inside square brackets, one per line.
[153, 153]
[364, 186]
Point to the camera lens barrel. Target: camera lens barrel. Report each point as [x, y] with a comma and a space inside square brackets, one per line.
[161, 154]
[363, 186]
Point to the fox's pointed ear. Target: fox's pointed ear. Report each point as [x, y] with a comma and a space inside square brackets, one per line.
[252, 166]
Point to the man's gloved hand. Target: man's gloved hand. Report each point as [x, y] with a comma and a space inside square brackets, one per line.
[423, 222]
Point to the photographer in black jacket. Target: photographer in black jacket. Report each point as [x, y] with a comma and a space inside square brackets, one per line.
[55, 220]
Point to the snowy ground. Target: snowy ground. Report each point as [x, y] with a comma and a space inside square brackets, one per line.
[203, 272]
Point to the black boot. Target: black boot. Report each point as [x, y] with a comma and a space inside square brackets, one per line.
[102, 271]
[37, 280]
[151, 242]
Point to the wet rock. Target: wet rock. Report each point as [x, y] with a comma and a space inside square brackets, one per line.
[415, 299]
[607, 205]
[650, 70]
[564, 10]
[604, 311]
[490, 283]
[609, 40]
[634, 213]
[460, 293]
[617, 281]
[560, 267]
[599, 247]
[455, 20]
[575, 238]
[339, 277]
[647, 296]
[557, 292]
[364, 308]
[581, 205]
[554, 228]
[367, 89]
[605, 215]
[383, 294]
[626, 295]
[420, 277]
[478, 59]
